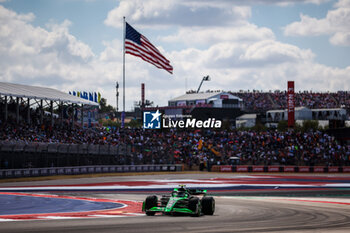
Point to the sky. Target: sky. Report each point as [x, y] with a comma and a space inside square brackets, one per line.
[241, 44]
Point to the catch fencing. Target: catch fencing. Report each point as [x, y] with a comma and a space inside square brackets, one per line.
[50, 171]
[16, 155]
[281, 169]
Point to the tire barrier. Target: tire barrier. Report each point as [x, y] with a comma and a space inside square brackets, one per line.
[31, 172]
[282, 169]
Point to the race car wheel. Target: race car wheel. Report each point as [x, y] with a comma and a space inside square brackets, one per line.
[208, 205]
[151, 201]
[195, 205]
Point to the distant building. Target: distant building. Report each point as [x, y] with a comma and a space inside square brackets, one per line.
[301, 113]
[203, 105]
[246, 120]
[207, 99]
[329, 114]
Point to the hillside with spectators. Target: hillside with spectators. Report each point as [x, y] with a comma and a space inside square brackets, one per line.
[259, 101]
[269, 147]
[264, 147]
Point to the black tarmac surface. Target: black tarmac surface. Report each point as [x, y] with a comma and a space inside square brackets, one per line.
[247, 212]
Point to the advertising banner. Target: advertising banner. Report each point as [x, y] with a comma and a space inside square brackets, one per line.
[27, 172]
[242, 169]
[258, 168]
[273, 169]
[288, 169]
[318, 169]
[35, 172]
[44, 172]
[18, 173]
[333, 169]
[76, 171]
[304, 169]
[68, 170]
[291, 104]
[226, 168]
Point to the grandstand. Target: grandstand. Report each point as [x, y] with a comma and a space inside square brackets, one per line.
[30, 138]
[24, 98]
[255, 101]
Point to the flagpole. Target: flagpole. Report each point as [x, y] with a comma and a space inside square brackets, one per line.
[123, 113]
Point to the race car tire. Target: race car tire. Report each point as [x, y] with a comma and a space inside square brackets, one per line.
[151, 201]
[195, 205]
[208, 205]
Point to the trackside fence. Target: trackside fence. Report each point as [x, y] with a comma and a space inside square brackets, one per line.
[50, 171]
[19, 155]
[281, 169]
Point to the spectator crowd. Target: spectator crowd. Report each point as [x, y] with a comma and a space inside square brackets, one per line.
[193, 147]
[264, 101]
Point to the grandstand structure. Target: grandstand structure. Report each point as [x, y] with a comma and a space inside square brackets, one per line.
[203, 105]
[267, 107]
[22, 99]
[28, 143]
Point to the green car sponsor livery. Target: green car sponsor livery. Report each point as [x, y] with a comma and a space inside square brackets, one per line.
[181, 201]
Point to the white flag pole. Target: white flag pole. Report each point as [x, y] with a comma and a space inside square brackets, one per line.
[124, 33]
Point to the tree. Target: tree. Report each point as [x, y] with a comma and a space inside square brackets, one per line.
[309, 125]
[282, 126]
[104, 108]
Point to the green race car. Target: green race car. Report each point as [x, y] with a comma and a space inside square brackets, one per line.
[181, 201]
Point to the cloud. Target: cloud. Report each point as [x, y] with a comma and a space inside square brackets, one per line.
[179, 13]
[237, 56]
[335, 24]
[195, 37]
[34, 54]
[188, 13]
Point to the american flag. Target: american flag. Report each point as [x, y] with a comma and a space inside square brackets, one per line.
[138, 45]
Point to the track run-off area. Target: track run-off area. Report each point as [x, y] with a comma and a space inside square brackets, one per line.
[244, 203]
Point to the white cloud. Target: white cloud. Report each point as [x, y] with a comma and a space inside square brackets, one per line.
[188, 13]
[181, 13]
[194, 36]
[36, 55]
[237, 56]
[335, 24]
[341, 38]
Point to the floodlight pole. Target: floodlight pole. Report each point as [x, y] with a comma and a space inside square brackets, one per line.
[117, 95]
[205, 78]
